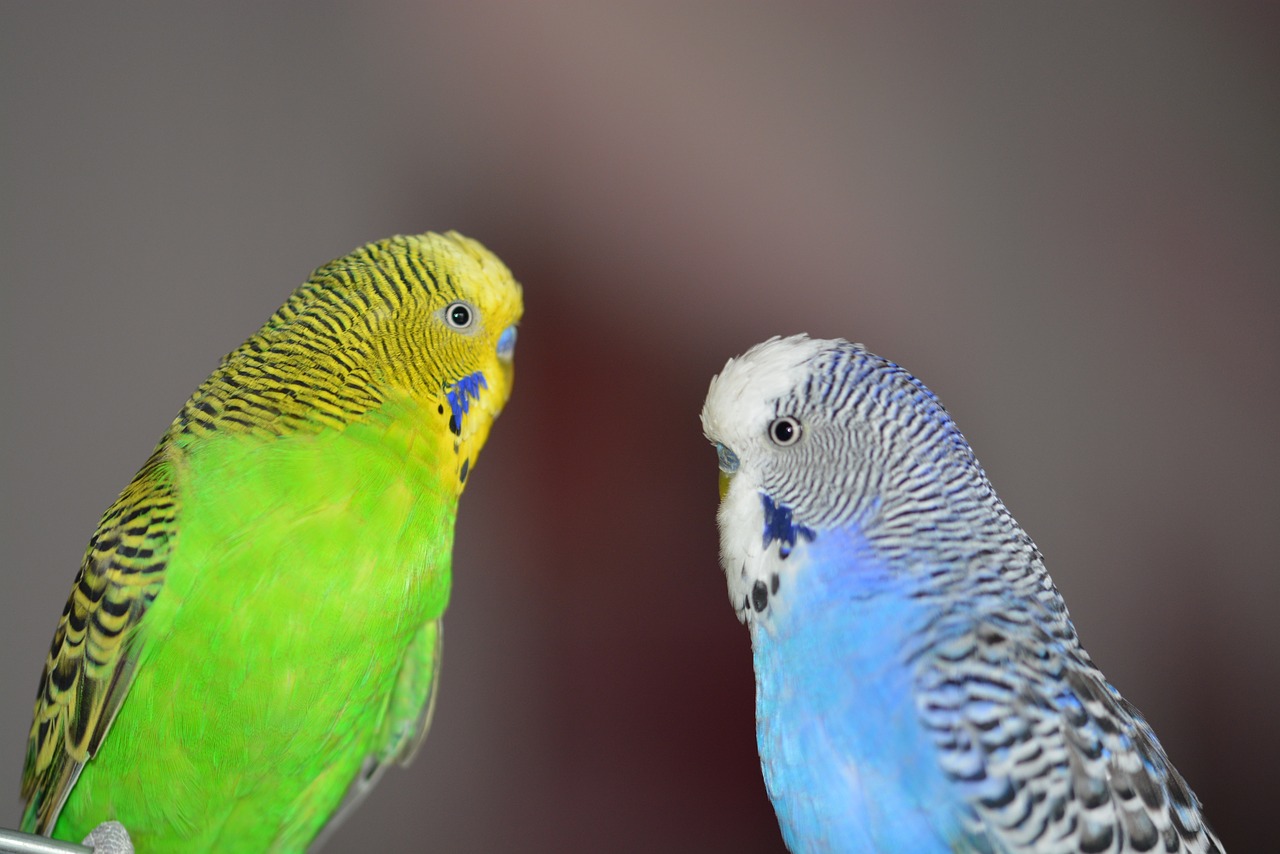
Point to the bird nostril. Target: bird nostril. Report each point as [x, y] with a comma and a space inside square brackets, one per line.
[507, 343]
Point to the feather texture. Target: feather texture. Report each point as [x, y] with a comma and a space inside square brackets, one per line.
[255, 628]
[920, 685]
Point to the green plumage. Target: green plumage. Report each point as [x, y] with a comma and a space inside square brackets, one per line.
[260, 609]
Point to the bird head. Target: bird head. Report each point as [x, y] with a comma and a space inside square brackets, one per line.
[415, 333]
[814, 436]
[444, 337]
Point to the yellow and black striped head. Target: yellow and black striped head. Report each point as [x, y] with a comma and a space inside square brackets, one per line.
[427, 321]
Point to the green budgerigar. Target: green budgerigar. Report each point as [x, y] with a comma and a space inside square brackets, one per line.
[255, 629]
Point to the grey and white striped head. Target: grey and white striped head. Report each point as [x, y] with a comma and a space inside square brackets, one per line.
[814, 435]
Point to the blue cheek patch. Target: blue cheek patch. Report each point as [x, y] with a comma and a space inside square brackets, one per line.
[507, 343]
[460, 395]
[778, 525]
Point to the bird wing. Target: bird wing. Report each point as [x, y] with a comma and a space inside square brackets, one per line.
[91, 663]
[1048, 755]
[404, 723]
[408, 717]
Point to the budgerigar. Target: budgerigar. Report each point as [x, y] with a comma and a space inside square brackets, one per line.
[919, 685]
[255, 629]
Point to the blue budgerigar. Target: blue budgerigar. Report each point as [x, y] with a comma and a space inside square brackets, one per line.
[919, 685]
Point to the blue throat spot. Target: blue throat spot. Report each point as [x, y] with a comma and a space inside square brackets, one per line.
[460, 395]
[779, 525]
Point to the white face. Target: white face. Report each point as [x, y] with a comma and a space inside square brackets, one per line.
[741, 417]
[817, 437]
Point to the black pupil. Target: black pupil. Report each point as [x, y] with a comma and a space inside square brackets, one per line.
[783, 431]
[459, 315]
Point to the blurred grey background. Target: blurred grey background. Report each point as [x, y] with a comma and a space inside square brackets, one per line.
[1065, 219]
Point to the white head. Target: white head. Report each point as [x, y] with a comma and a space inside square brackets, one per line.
[814, 435]
[740, 410]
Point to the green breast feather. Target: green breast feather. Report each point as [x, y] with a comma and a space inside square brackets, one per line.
[255, 629]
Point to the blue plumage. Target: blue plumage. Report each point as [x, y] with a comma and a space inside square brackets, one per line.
[846, 762]
[920, 686]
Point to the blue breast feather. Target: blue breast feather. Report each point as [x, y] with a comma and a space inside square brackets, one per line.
[846, 759]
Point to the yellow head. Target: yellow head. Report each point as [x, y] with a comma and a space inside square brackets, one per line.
[425, 321]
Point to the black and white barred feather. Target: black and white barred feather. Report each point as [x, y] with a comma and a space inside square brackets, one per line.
[1047, 755]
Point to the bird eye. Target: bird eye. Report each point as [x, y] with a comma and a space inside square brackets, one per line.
[459, 315]
[784, 431]
[727, 459]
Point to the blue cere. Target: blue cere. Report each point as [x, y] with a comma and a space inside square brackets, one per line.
[507, 343]
[778, 525]
[727, 459]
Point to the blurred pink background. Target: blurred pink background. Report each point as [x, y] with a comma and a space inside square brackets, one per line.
[1066, 220]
